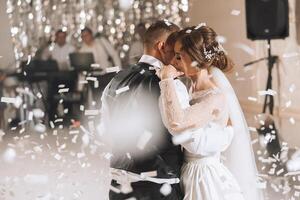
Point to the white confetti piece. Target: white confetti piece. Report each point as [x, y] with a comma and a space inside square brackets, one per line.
[36, 179]
[121, 90]
[274, 187]
[39, 95]
[252, 99]
[63, 146]
[221, 39]
[52, 124]
[143, 140]
[61, 175]
[92, 112]
[188, 31]
[165, 189]
[9, 155]
[81, 107]
[59, 120]
[38, 149]
[66, 111]
[292, 88]
[167, 22]
[128, 155]
[28, 59]
[235, 12]
[90, 78]
[194, 64]
[279, 172]
[95, 65]
[72, 132]
[61, 85]
[82, 82]
[268, 92]
[297, 187]
[74, 139]
[8, 99]
[96, 84]
[292, 120]
[1, 134]
[108, 156]
[290, 55]
[85, 139]
[262, 185]
[80, 155]
[112, 69]
[40, 128]
[200, 25]
[22, 130]
[288, 104]
[63, 90]
[254, 141]
[253, 129]
[57, 157]
[38, 113]
[30, 116]
[142, 71]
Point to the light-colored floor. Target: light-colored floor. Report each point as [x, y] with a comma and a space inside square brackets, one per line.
[52, 167]
[68, 164]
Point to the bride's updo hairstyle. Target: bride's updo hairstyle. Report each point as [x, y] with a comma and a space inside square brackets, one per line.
[205, 51]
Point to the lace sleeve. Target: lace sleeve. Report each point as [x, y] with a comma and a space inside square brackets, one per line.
[179, 119]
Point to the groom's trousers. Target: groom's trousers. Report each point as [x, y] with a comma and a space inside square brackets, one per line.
[146, 191]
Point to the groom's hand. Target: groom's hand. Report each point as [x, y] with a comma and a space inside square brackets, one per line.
[169, 72]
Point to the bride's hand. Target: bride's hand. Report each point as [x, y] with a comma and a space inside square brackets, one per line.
[168, 71]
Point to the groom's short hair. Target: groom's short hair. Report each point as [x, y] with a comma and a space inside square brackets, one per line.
[160, 30]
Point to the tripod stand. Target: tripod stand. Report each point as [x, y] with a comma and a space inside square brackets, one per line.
[268, 129]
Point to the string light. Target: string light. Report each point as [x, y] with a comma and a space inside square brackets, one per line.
[37, 20]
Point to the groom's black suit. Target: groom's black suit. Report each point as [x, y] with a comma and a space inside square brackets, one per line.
[165, 158]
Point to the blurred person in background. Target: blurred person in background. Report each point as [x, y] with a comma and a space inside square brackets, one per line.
[60, 51]
[104, 53]
[136, 49]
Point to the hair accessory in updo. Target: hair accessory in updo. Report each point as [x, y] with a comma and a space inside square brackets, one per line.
[200, 25]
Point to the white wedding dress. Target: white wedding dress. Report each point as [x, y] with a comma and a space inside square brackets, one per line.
[206, 135]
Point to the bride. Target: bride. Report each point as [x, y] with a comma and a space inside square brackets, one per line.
[207, 122]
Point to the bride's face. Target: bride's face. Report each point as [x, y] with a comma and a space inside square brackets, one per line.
[182, 61]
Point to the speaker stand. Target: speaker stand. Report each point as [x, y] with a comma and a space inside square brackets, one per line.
[268, 129]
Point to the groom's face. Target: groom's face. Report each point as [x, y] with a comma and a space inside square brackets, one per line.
[168, 53]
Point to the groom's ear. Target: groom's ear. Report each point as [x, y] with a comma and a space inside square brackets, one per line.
[160, 45]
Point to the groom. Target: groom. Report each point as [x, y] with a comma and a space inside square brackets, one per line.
[142, 93]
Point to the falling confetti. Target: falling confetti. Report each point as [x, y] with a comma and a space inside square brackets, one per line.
[9, 155]
[268, 92]
[112, 69]
[252, 99]
[121, 90]
[143, 140]
[91, 112]
[235, 12]
[165, 189]
[292, 120]
[63, 90]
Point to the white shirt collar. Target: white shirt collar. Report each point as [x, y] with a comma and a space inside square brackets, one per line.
[151, 61]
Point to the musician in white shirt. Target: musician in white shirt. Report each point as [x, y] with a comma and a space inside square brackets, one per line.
[104, 53]
[59, 51]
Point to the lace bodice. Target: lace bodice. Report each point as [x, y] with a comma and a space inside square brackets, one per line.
[183, 112]
[202, 118]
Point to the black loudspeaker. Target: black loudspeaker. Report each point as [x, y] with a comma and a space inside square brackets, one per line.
[267, 19]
